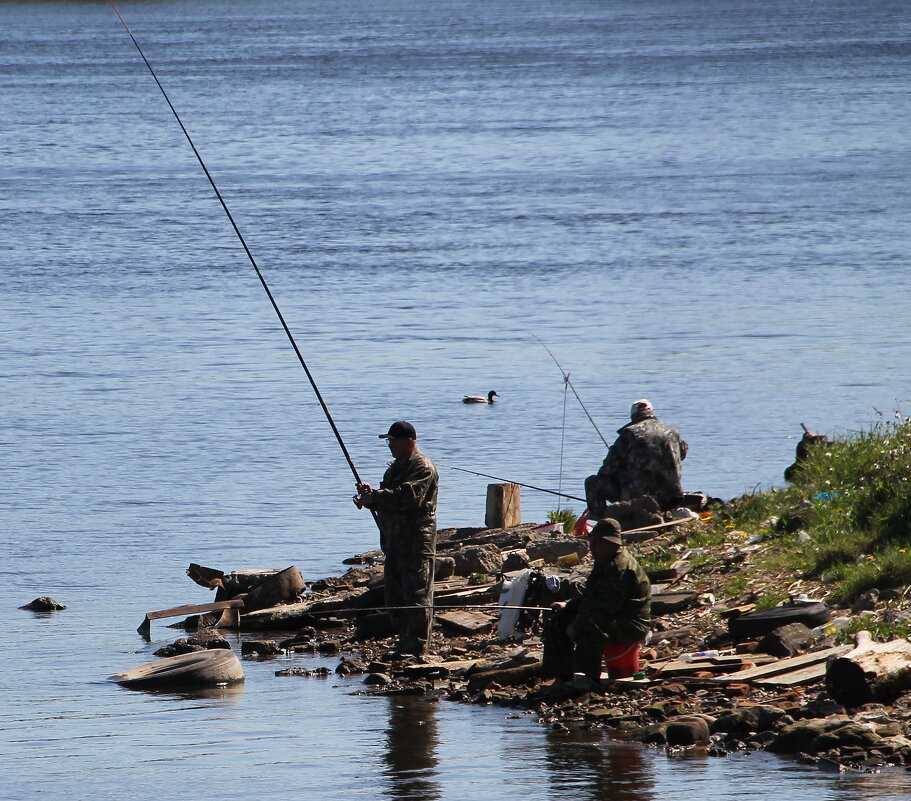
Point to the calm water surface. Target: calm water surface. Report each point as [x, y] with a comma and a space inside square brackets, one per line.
[704, 203]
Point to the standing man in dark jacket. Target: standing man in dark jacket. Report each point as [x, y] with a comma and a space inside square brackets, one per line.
[405, 506]
[614, 608]
[644, 460]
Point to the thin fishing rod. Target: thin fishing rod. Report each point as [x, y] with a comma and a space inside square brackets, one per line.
[527, 486]
[434, 606]
[246, 248]
[570, 385]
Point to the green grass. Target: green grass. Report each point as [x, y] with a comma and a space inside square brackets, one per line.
[853, 499]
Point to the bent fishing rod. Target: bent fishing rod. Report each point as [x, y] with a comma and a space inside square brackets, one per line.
[507, 481]
[570, 385]
[247, 250]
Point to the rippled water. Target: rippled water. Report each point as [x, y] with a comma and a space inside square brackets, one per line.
[705, 203]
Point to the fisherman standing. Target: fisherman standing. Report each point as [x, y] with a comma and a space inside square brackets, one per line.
[644, 460]
[613, 609]
[405, 506]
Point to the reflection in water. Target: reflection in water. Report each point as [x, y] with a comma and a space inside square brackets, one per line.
[582, 767]
[411, 744]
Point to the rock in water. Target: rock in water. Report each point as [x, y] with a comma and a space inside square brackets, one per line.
[44, 603]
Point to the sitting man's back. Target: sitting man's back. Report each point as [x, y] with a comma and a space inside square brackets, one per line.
[644, 460]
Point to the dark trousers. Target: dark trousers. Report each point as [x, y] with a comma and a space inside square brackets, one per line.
[565, 655]
[409, 582]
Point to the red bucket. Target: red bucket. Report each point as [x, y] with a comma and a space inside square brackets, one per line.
[621, 659]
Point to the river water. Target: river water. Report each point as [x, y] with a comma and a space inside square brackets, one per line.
[705, 203]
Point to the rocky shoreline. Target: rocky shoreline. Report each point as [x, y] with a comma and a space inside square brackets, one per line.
[759, 685]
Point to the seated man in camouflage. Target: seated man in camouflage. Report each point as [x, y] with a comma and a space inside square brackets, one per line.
[644, 460]
[614, 608]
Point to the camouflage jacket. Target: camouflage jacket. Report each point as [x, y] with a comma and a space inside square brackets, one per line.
[644, 460]
[406, 506]
[615, 602]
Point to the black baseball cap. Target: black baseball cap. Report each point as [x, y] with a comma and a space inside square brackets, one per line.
[400, 430]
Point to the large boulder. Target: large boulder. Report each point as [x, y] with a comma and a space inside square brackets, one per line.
[486, 559]
[802, 736]
[746, 720]
[785, 641]
[552, 548]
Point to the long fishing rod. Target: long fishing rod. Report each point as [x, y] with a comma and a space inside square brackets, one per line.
[247, 250]
[507, 481]
[570, 385]
[433, 606]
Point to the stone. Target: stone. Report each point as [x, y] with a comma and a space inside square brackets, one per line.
[444, 567]
[550, 549]
[687, 730]
[43, 603]
[786, 641]
[348, 667]
[747, 720]
[485, 559]
[849, 734]
[180, 646]
[803, 735]
[515, 560]
[260, 648]
[865, 602]
[208, 638]
[294, 671]
[329, 647]
[377, 680]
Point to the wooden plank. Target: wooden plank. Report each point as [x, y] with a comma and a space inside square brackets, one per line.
[718, 664]
[145, 628]
[786, 665]
[797, 677]
[464, 622]
[647, 532]
[195, 609]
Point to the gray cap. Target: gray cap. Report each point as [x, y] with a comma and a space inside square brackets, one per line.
[607, 530]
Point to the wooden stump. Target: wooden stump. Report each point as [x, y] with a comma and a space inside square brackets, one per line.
[873, 671]
[503, 506]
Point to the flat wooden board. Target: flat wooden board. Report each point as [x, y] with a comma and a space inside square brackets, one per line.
[718, 664]
[464, 622]
[788, 665]
[194, 609]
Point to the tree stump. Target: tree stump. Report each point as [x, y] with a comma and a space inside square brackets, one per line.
[873, 671]
[503, 506]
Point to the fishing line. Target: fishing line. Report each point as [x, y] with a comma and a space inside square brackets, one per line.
[570, 385]
[506, 480]
[246, 248]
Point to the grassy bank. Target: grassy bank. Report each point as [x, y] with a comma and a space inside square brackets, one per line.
[845, 518]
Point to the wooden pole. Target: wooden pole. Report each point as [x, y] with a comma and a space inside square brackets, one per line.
[503, 506]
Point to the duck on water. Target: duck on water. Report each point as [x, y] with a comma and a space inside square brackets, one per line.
[480, 398]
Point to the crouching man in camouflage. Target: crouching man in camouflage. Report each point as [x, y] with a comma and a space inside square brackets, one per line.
[644, 460]
[405, 506]
[613, 609]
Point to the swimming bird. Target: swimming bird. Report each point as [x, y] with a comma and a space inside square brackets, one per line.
[480, 398]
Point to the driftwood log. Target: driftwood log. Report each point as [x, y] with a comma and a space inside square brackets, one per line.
[873, 671]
